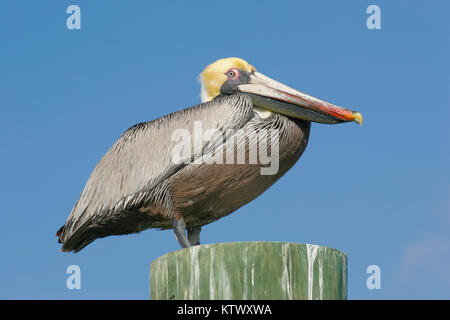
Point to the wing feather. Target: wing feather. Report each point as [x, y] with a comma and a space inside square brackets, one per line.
[142, 158]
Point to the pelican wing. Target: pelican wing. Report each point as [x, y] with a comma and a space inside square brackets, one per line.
[142, 158]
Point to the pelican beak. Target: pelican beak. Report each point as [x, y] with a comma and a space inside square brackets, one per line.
[277, 97]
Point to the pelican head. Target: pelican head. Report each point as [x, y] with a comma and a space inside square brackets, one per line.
[232, 75]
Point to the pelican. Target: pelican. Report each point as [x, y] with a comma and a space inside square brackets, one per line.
[137, 184]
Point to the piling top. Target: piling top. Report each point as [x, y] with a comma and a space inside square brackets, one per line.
[250, 270]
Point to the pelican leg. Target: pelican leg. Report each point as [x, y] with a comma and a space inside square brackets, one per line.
[179, 227]
[194, 235]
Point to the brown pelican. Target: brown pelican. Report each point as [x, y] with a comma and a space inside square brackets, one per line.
[137, 184]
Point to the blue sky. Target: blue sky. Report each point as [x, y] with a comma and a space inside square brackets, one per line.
[379, 192]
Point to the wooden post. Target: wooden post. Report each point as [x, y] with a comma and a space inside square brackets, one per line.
[250, 270]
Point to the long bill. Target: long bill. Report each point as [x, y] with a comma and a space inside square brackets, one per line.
[274, 96]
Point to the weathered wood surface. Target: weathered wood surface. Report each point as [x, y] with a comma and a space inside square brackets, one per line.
[250, 270]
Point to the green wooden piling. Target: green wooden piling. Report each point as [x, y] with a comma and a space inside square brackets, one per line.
[250, 270]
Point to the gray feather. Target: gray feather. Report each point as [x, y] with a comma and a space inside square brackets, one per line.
[133, 170]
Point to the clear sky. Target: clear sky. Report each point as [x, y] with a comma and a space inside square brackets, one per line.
[379, 192]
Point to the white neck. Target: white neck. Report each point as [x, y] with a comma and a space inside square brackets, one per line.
[203, 94]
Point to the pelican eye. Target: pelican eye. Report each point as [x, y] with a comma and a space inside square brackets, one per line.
[232, 74]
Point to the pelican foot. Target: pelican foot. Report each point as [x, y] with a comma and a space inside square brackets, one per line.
[179, 227]
[194, 235]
